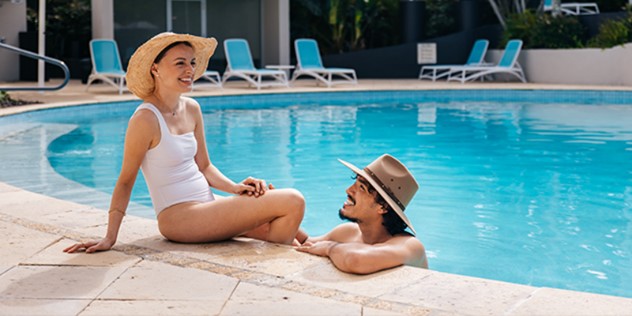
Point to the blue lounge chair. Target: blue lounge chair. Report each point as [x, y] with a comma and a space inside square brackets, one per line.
[476, 58]
[508, 64]
[310, 64]
[106, 64]
[240, 65]
[573, 8]
[213, 77]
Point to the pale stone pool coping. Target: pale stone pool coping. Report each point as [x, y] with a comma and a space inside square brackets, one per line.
[145, 274]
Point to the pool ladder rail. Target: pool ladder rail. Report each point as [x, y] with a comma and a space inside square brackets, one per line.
[49, 60]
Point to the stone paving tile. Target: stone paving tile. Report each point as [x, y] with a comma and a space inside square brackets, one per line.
[18, 243]
[133, 229]
[197, 250]
[562, 302]
[467, 295]
[54, 255]
[366, 311]
[152, 308]
[249, 299]
[56, 282]
[438, 312]
[158, 281]
[41, 307]
[256, 255]
[4, 268]
[144, 233]
[373, 285]
[35, 207]
[76, 218]
[5, 188]
[244, 253]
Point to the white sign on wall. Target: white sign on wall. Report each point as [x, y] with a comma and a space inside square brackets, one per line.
[426, 53]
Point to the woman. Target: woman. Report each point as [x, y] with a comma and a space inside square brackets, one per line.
[165, 138]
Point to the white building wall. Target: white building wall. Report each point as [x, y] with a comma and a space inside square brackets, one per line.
[276, 32]
[588, 66]
[102, 19]
[12, 22]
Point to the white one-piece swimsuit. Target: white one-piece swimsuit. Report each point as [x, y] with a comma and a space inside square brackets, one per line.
[170, 170]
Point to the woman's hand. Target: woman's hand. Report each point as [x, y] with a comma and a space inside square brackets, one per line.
[251, 187]
[91, 246]
[319, 248]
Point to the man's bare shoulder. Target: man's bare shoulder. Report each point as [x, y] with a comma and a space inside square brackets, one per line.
[347, 227]
[411, 245]
[347, 232]
[406, 240]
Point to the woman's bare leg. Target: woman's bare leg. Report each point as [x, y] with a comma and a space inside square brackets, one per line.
[260, 232]
[225, 218]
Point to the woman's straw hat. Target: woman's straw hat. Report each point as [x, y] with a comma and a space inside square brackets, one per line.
[139, 78]
[392, 180]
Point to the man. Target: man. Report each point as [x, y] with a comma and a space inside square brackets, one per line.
[376, 238]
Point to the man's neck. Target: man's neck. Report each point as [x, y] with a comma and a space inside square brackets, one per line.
[374, 234]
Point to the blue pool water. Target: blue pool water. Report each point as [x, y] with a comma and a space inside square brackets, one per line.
[532, 187]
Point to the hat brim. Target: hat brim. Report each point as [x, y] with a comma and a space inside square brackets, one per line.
[382, 193]
[139, 79]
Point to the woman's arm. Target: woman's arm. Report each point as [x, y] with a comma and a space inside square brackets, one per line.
[142, 134]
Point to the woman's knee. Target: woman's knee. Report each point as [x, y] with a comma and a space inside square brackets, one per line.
[294, 200]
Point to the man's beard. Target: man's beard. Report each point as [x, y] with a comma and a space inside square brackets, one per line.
[344, 217]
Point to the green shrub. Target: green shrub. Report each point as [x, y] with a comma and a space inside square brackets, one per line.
[346, 25]
[441, 17]
[520, 26]
[544, 30]
[68, 26]
[558, 32]
[614, 32]
[6, 100]
[611, 33]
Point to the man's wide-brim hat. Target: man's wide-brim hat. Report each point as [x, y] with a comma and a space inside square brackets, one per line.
[392, 180]
[139, 79]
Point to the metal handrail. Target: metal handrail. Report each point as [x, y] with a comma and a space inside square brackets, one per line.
[50, 60]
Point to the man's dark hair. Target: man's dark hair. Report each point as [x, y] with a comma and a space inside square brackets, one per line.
[391, 221]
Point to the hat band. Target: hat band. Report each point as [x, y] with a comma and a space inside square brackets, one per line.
[385, 188]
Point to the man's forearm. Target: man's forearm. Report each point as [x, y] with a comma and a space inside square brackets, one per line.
[353, 258]
[341, 258]
[347, 257]
[301, 236]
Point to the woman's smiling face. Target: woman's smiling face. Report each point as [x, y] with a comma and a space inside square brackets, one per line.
[176, 69]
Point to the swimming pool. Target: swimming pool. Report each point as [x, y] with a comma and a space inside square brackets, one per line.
[531, 187]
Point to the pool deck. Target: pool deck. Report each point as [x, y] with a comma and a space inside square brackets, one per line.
[146, 275]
